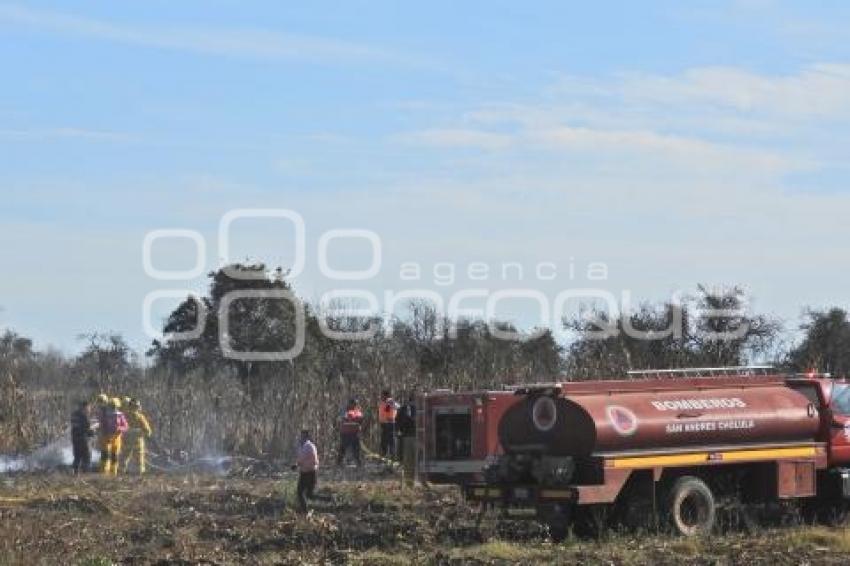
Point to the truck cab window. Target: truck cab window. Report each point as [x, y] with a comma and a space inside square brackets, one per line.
[453, 436]
[810, 391]
[841, 399]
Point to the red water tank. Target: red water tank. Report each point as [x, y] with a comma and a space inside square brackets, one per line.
[614, 416]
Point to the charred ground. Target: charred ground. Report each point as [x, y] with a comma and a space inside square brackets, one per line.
[203, 519]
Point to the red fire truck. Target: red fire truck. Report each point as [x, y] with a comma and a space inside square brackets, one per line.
[677, 439]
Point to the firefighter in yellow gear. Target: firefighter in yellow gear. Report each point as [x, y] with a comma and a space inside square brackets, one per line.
[139, 430]
[113, 426]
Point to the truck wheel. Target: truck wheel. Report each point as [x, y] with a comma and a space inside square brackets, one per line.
[690, 507]
[591, 521]
[559, 531]
[557, 519]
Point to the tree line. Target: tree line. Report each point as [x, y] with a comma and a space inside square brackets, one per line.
[203, 401]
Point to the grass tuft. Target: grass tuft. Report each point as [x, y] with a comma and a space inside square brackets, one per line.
[821, 537]
[381, 558]
[501, 550]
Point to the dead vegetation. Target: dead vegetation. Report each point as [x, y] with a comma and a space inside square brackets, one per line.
[197, 519]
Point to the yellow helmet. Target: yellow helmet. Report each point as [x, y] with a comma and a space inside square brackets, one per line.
[103, 398]
[116, 402]
[126, 401]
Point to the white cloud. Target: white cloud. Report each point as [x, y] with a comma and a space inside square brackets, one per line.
[457, 137]
[47, 134]
[708, 100]
[246, 43]
[693, 151]
[819, 91]
[721, 121]
[604, 143]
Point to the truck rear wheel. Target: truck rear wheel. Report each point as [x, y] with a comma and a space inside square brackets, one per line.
[690, 507]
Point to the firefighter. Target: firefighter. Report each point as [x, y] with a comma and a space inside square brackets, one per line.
[307, 463]
[405, 423]
[139, 429]
[113, 426]
[102, 406]
[81, 432]
[387, 410]
[349, 433]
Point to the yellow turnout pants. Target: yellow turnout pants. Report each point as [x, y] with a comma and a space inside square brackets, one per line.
[102, 446]
[109, 457]
[135, 445]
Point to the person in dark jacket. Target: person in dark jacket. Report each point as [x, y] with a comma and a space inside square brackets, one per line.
[81, 432]
[405, 424]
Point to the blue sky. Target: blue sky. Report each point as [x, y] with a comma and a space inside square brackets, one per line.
[678, 143]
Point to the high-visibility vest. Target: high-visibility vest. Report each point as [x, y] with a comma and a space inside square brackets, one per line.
[351, 422]
[387, 410]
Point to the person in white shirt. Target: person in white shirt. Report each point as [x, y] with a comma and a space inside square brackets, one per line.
[307, 463]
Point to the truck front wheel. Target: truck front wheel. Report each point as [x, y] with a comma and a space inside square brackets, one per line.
[690, 507]
[557, 518]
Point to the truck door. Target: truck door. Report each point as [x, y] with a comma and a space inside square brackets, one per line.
[839, 430]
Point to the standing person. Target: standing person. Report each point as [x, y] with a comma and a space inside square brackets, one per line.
[138, 430]
[307, 463]
[113, 426]
[81, 431]
[387, 410]
[349, 433]
[405, 422]
[102, 407]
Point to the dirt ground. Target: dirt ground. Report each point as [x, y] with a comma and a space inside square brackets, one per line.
[202, 519]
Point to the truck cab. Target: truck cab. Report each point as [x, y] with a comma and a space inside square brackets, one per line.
[831, 398]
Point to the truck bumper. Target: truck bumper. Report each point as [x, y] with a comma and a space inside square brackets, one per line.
[519, 495]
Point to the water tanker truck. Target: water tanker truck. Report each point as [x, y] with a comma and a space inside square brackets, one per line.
[669, 443]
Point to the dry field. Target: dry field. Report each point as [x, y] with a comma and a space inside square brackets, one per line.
[202, 519]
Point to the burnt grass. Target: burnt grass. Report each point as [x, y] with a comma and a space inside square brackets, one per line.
[196, 519]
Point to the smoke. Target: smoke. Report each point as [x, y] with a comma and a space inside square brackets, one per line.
[59, 454]
[8, 464]
[215, 464]
[54, 455]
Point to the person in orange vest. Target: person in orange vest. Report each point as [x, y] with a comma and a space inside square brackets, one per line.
[349, 433]
[387, 411]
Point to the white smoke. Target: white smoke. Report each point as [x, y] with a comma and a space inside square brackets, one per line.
[49, 457]
[11, 464]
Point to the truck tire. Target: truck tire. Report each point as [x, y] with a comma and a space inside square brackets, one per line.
[559, 530]
[558, 519]
[591, 521]
[690, 507]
